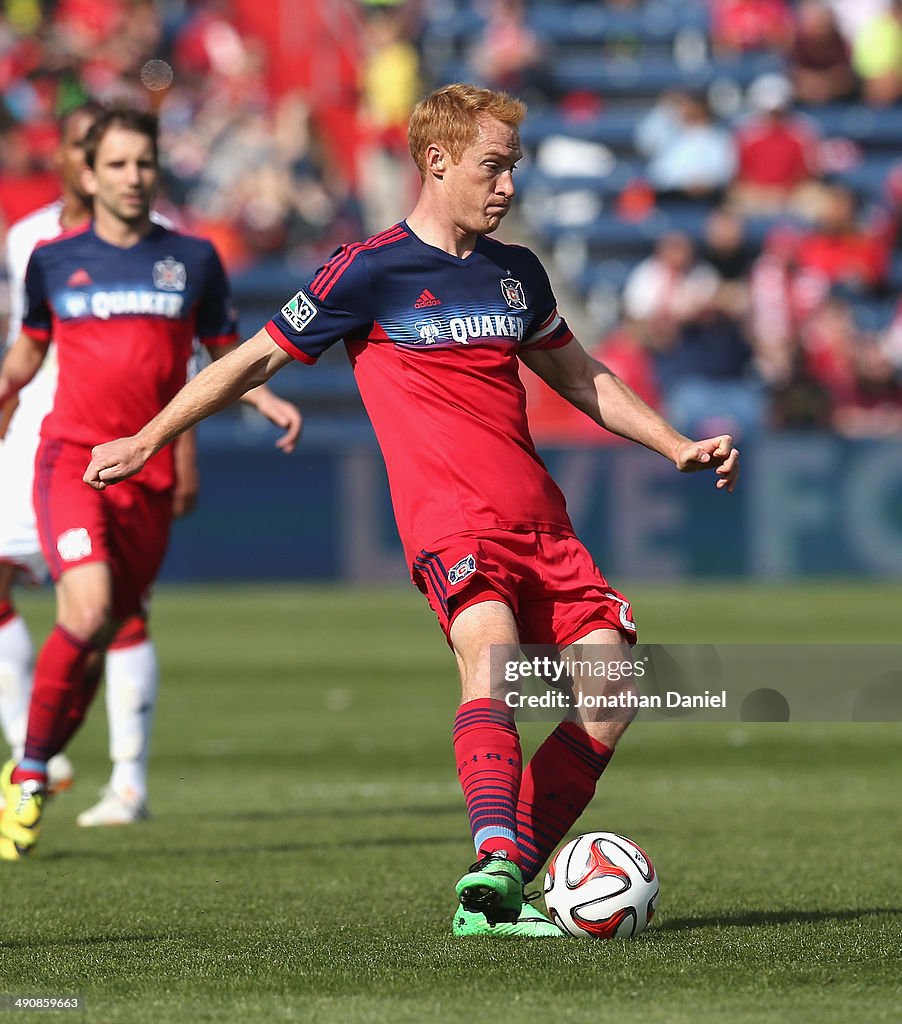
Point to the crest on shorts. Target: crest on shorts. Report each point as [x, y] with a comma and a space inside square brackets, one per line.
[512, 290]
[74, 544]
[464, 568]
[299, 311]
[170, 275]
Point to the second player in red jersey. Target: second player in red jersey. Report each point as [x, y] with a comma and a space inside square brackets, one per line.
[122, 299]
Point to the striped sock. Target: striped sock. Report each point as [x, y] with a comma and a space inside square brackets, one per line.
[489, 765]
[557, 785]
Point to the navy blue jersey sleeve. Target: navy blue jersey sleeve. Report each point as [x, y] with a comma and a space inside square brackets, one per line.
[337, 303]
[217, 323]
[38, 319]
[547, 328]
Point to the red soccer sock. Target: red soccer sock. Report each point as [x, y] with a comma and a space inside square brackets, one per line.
[81, 700]
[61, 694]
[557, 785]
[489, 765]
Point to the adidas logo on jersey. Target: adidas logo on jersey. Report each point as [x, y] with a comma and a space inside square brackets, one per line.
[426, 299]
[79, 279]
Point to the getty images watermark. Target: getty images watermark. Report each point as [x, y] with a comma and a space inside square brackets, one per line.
[703, 682]
[556, 673]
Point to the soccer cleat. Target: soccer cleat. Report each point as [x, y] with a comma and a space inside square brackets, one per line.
[20, 823]
[114, 809]
[493, 887]
[531, 924]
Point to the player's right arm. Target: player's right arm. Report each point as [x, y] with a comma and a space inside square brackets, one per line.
[20, 364]
[28, 345]
[213, 389]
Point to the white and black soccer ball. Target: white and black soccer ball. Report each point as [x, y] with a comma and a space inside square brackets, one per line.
[603, 886]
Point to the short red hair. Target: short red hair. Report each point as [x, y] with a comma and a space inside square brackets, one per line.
[450, 116]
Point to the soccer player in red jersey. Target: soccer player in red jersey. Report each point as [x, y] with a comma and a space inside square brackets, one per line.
[436, 316]
[123, 299]
[131, 663]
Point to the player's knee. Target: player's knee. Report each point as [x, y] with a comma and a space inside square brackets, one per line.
[88, 620]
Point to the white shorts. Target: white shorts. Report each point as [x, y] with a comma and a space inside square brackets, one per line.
[19, 542]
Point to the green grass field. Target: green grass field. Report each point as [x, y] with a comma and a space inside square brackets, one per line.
[308, 831]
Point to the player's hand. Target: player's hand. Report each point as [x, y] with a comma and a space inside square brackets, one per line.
[715, 453]
[185, 493]
[114, 461]
[283, 414]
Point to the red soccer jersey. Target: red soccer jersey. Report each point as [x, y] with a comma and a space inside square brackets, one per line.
[123, 321]
[434, 342]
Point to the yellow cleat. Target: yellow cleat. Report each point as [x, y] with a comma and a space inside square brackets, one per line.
[20, 823]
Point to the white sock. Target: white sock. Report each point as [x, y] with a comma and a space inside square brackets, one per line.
[132, 675]
[16, 665]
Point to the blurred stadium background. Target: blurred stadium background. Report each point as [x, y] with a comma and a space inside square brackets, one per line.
[716, 188]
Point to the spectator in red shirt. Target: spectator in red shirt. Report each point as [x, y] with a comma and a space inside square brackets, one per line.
[751, 24]
[839, 249]
[777, 151]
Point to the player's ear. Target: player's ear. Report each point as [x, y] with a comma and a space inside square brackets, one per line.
[88, 181]
[437, 160]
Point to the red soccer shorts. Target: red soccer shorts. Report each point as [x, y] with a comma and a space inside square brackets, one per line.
[551, 583]
[126, 526]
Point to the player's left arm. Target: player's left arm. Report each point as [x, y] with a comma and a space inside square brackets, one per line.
[593, 389]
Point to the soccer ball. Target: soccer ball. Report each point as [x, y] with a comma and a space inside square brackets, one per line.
[601, 886]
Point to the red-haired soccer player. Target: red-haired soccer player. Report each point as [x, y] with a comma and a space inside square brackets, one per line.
[436, 317]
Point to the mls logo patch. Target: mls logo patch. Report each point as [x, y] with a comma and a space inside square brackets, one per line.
[299, 311]
[74, 544]
[464, 568]
[169, 275]
[512, 290]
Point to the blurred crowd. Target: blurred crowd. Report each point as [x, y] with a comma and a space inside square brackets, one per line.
[721, 328]
[245, 162]
[775, 310]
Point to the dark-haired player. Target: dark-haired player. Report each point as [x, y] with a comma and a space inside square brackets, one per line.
[131, 664]
[122, 298]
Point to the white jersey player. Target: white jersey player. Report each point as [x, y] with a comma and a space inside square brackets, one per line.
[19, 544]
